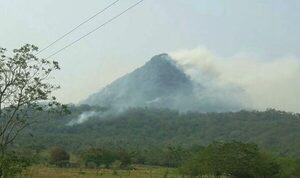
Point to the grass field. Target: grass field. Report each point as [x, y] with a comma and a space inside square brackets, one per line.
[140, 172]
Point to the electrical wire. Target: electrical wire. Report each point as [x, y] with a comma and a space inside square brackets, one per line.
[92, 31]
[75, 28]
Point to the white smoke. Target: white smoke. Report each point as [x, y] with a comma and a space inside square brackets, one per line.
[85, 116]
[265, 83]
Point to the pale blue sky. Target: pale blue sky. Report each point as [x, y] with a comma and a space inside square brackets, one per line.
[264, 28]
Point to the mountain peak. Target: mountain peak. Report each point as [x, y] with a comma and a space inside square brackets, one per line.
[163, 56]
[161, 59]
[160, 83]
[162, 65]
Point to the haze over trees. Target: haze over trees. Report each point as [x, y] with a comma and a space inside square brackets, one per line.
[276, 131]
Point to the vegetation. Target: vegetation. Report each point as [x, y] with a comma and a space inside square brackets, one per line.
[24, 86]
[248, 144]
[233, 159]
[59, 157]
[139, 172]
[230, 160]
[146, 128]
[13, 164]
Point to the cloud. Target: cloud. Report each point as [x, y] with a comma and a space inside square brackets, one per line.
[265, 83]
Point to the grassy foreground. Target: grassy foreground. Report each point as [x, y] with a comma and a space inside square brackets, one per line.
[140, 172]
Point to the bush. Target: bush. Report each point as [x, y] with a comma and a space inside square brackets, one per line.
[296, 169]
[12, 164]
[125, 159]
[59, 157]
[233, 159]
[97, 157]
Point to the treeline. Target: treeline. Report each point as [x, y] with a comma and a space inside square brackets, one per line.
[229, 159]
[165, 137]
[238, 160]
[138, 128]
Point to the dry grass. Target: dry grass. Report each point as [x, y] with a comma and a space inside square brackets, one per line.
[140, 172]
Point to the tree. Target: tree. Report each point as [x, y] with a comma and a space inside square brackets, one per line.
[125, 158]
[175, 155]
[59, 157]
[267, 166]
[296, 170]
[13, 163]
[98, 157]
[232, 159]
[24, 90]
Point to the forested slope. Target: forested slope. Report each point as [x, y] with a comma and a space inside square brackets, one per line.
[139, 128]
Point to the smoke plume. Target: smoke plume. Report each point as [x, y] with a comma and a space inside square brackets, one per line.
[257, 83]
[85, 116]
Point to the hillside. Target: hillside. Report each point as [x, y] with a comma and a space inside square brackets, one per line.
[140, 128]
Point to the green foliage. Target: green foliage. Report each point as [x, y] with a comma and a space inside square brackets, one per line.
[98, 157]
[296, 169]
[101, 156]
[267, 166]
[25, 91]
[169, 138]
[232, 159]
[125, 158]
[175, 155]
[13, 164]
[59, 157]
[146, 128]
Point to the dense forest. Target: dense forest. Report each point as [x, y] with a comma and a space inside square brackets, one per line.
[233, 144]
[139, 128]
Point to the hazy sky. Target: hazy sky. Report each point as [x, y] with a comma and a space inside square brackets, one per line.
[265, 29]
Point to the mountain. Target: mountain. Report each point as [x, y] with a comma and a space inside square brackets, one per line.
[160, 83]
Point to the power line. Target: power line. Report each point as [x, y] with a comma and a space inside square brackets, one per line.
[75, 28]
[102, 25]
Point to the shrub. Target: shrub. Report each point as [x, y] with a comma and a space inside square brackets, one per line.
[12, 164]
[59, 157]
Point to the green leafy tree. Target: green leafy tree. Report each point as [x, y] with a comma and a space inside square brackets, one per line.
[98, 157]
[175, 155]
[12, 164]
[296, 170]
[59, 157]
[267, 166]
[125, 158]
[232, 159]
[24, 90]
